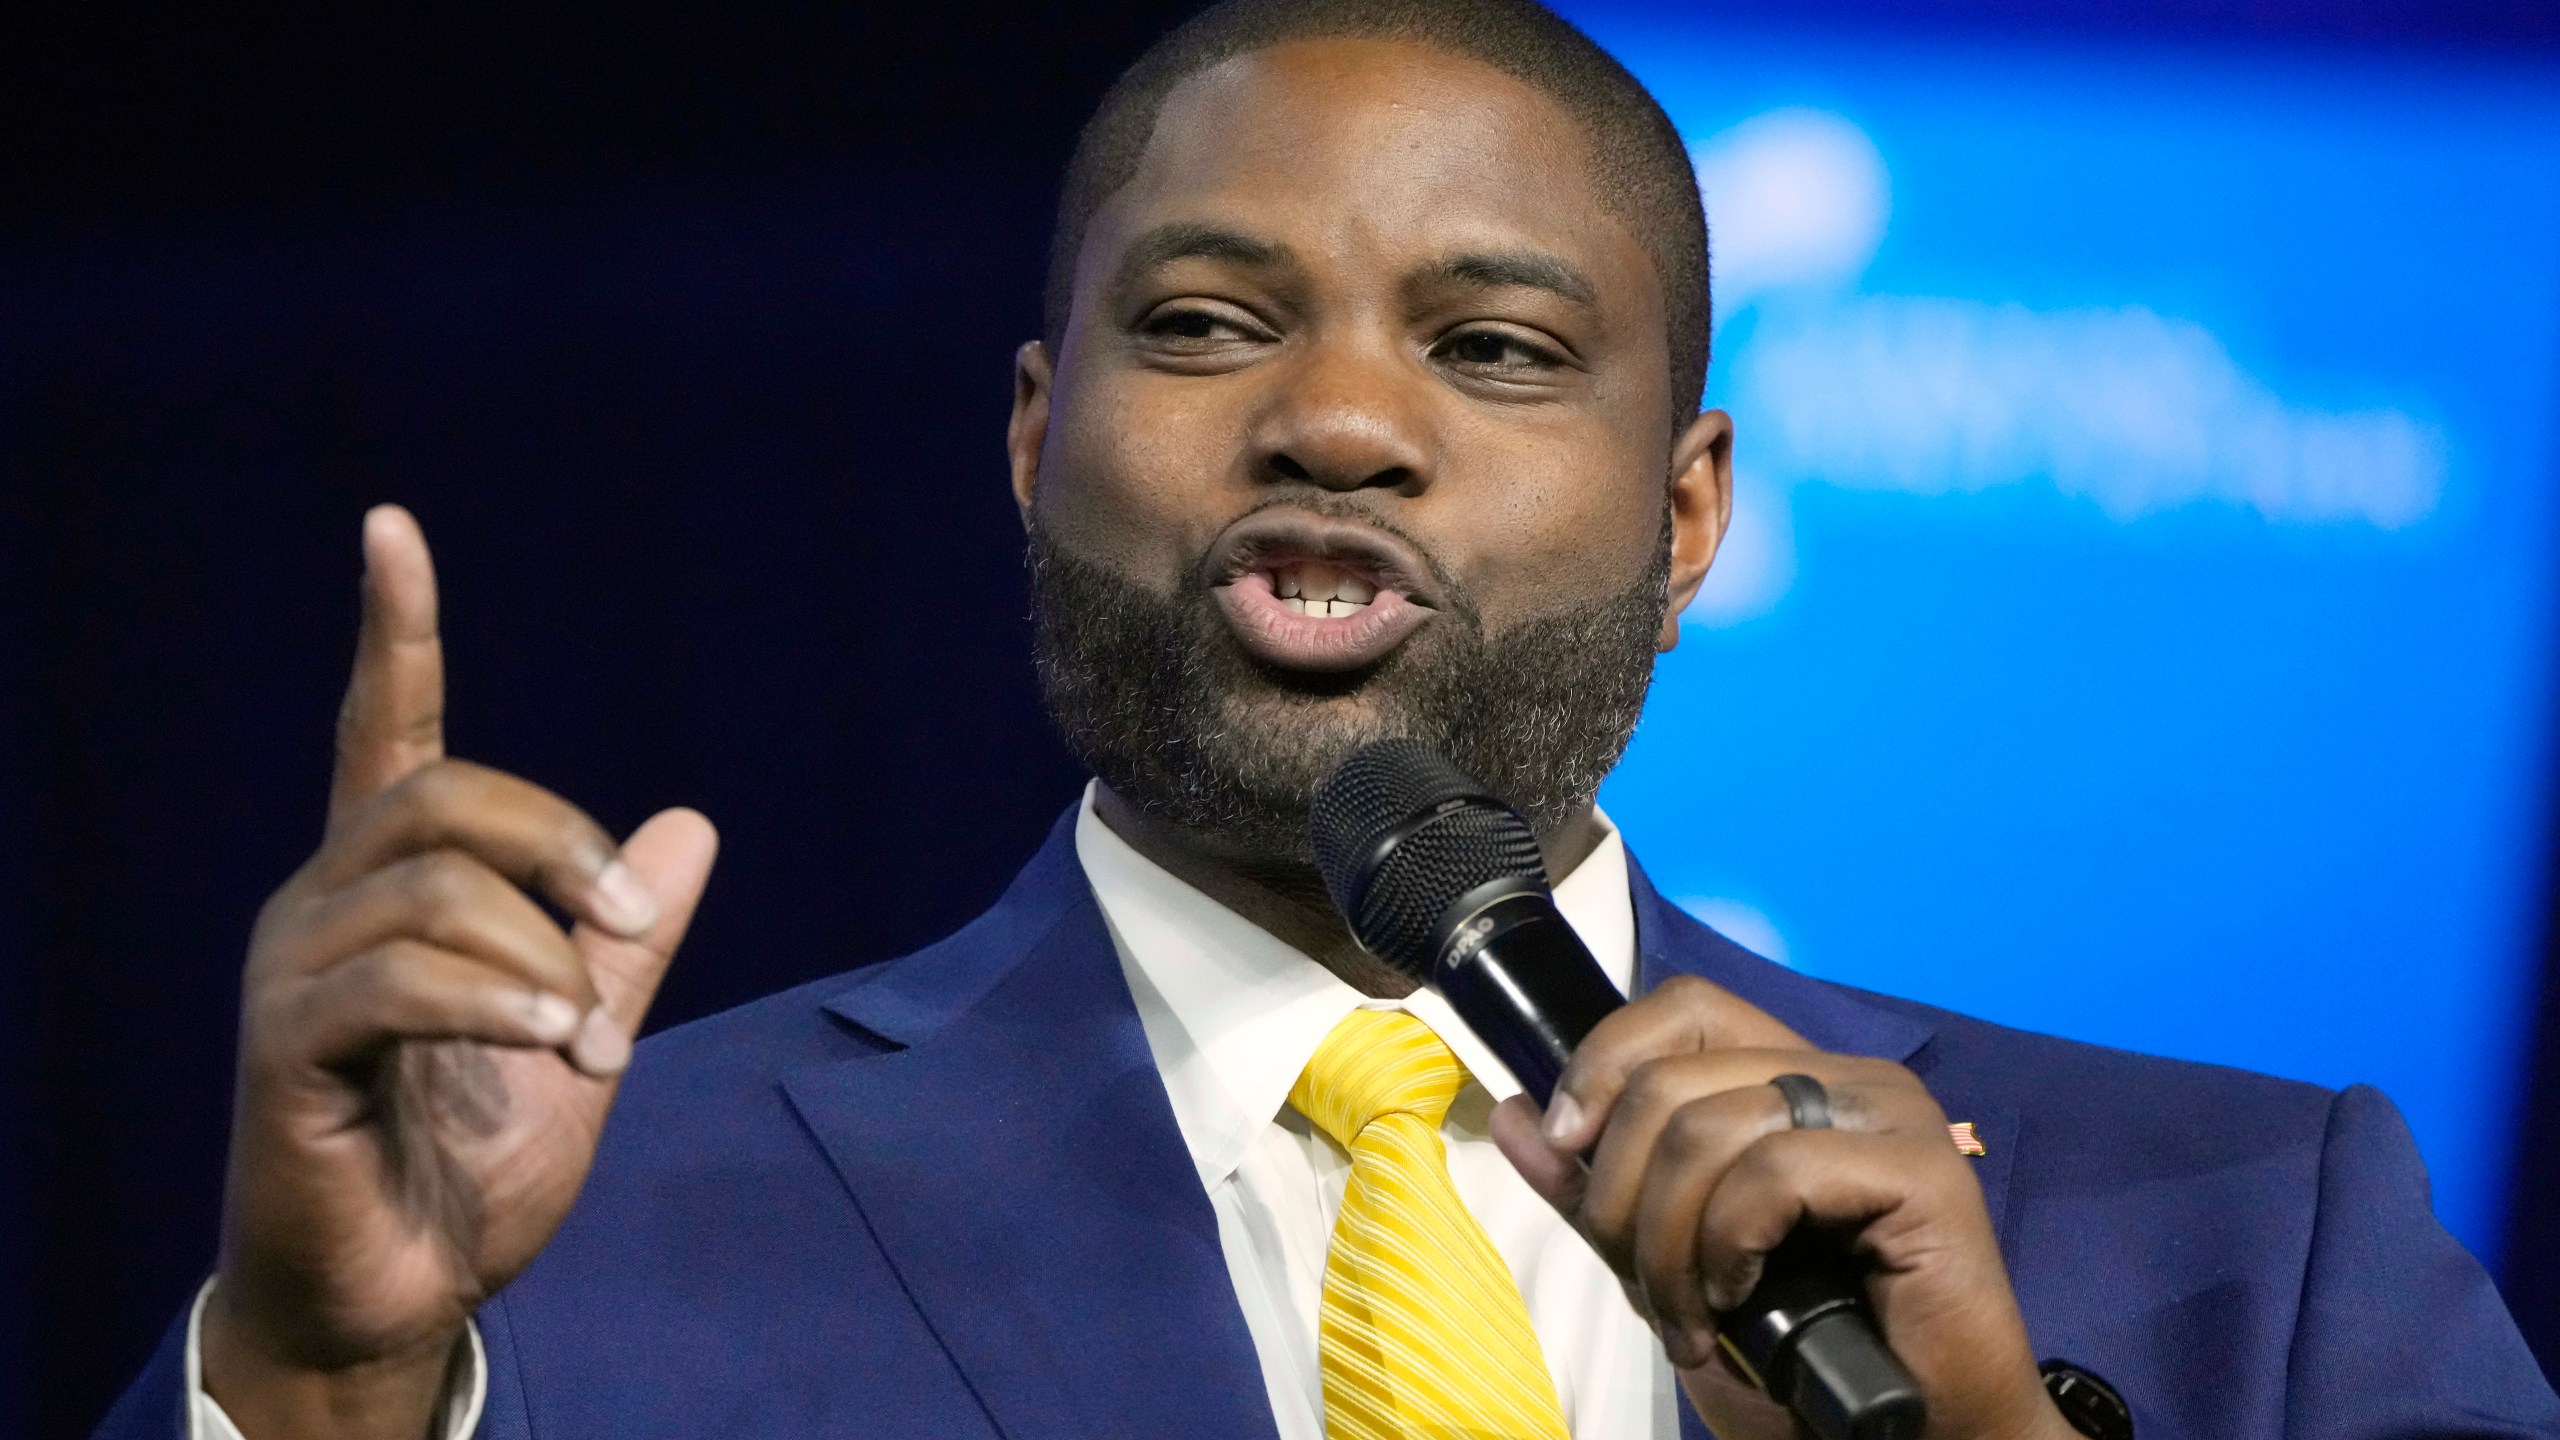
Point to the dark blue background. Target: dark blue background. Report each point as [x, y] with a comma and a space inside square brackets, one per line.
[687, 335]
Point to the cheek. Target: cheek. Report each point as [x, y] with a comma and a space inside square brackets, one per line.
[1558, 521]
[1135, 476]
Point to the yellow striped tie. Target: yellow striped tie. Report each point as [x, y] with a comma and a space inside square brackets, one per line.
[1423, 1336]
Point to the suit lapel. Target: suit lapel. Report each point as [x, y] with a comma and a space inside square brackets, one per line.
[1018, 1163]
[1016, 1160]
[1833, 1017]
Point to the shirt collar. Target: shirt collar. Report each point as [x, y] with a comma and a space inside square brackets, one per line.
[1233, 1014]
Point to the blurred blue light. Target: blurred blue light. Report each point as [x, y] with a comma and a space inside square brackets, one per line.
[2137, 623]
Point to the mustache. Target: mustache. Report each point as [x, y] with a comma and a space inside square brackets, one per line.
[1154, 694]
[1327, 505]
[1461, 620]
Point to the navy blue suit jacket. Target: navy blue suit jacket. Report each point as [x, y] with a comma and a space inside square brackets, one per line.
[945, 1196]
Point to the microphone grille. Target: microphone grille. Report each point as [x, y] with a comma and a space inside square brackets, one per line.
[1398, 833]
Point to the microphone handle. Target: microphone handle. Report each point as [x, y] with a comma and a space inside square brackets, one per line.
[1520, 977]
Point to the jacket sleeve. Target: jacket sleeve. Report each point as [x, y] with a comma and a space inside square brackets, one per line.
[154, 1406]
[2400, 1332]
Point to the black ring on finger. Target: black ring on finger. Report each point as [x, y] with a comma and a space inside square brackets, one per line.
[1808, 1104]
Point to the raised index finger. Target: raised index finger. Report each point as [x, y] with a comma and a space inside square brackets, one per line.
[392, 721]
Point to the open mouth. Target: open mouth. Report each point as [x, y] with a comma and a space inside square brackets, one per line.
[1321, 589]
[1305, 592]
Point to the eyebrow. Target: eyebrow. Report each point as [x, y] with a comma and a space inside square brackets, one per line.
[1526, 269]
[1495, 269]
[1191, 240]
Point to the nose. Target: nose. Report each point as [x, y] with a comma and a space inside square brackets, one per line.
[1346, 417]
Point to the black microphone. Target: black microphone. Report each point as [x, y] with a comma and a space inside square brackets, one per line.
[1442, 880]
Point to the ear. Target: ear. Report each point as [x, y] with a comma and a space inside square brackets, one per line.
[1029, 428]
[1701, 506]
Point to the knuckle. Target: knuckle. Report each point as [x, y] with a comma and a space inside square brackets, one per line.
[1853, 1107]
[1733, 1277]
[406, 805]
[1651, 1083]
[1878, 1073]
[1694, 1129]
[443, 796]
[424, 727]
[442, 880]
[1687, 991]
[291, 931]
[276, 915]
[1883, 1112]
[271, 1011]
[281, 953]
[1764, 1162]
[433, 788]
[369, 981]
[1891, 1098]
[1929, 1150]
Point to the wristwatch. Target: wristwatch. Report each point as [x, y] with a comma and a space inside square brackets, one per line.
[2091, 1405]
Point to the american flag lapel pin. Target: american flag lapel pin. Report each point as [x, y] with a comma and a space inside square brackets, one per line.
[1967, 1143]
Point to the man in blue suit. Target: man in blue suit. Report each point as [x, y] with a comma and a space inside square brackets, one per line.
[1366, 404]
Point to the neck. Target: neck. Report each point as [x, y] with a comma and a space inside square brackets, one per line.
[1288, 899]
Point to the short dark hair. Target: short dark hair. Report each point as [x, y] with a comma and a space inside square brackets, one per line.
[1638, 163]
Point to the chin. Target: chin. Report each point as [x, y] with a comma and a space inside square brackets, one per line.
[1288, 733]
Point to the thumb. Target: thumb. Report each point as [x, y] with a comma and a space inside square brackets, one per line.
[671, 852]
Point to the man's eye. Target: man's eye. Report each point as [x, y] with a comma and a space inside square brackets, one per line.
[1495, 349]
[1193, 324]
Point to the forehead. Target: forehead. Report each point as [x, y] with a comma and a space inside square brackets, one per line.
[1373, 149]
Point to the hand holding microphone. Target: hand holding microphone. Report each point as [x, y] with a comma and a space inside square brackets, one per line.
[1848, 1266]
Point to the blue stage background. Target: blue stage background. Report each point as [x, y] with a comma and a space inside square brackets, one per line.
[2137, 623]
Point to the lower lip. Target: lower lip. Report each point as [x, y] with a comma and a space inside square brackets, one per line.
[1277, 635]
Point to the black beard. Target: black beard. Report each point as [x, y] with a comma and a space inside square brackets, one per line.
[1155, 695]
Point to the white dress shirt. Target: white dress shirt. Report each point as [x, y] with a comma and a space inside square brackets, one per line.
[468, 1392]
[1233, 1016]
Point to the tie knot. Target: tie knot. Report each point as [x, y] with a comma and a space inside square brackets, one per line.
[1377, 1062]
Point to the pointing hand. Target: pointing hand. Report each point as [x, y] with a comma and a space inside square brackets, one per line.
[426, 1056]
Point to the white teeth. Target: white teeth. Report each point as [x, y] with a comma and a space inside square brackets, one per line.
[1321, 609]
[1312, 587]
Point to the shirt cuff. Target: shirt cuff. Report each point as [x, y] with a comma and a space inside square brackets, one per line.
[458, 1415]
